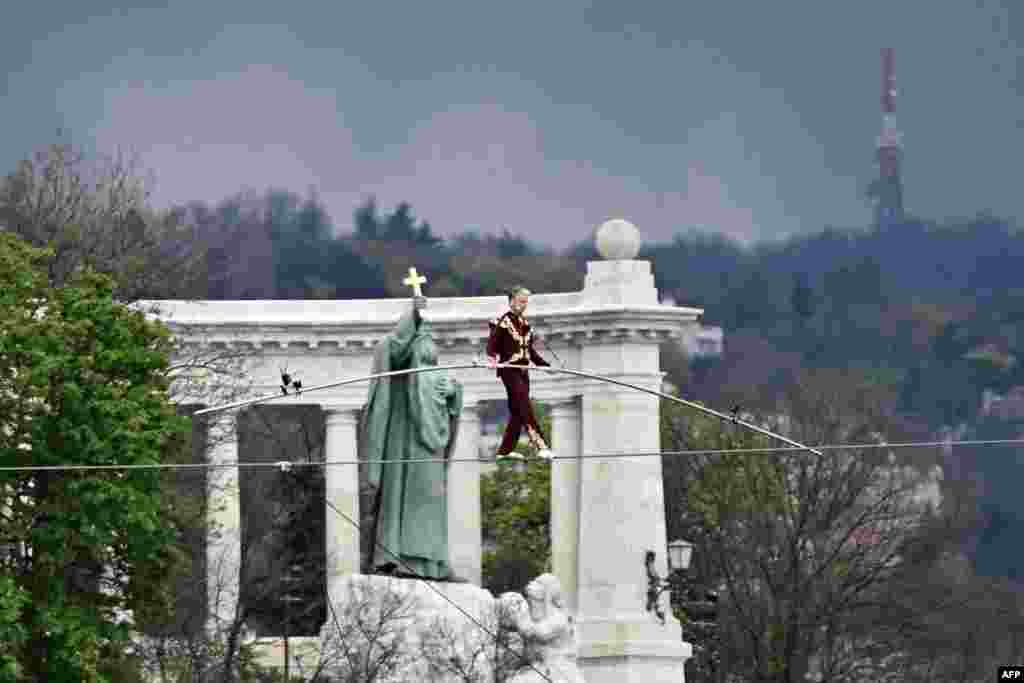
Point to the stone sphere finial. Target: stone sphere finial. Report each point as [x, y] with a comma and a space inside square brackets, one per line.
[617, 240]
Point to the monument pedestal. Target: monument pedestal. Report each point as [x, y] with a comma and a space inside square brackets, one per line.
[626, 650]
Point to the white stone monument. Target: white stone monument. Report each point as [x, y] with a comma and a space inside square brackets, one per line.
[620, 501]
[605, 513]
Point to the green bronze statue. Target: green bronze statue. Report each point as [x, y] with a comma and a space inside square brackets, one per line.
[410, 417]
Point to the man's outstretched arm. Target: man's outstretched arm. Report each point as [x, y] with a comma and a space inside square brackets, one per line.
[535, 357]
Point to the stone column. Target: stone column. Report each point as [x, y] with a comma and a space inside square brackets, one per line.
[566, 441]
[341, 489]
[622, 499]
[465, 534]
[223, 523]
[623, 516]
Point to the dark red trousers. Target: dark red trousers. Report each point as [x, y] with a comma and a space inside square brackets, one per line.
[520, 411]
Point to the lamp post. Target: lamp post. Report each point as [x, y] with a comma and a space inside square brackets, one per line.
[679, 554]
[700, 607]
[291, 578]
[292, 575]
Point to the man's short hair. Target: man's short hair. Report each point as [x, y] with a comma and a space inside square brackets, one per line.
[516, 291]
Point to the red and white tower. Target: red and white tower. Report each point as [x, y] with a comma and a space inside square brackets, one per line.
[887, 189]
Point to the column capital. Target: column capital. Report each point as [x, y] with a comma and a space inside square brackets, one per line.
[341, 414]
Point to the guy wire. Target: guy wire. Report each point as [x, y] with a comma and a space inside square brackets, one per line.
[586, 456]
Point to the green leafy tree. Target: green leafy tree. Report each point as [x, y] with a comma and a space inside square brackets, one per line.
[516, 504]
[12, 600]
[82, 382]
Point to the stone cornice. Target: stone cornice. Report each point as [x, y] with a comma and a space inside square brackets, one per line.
[453, 329]
[326, 328]
[345, 312]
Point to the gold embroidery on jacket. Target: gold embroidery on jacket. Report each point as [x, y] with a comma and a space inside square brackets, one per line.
[522, 342]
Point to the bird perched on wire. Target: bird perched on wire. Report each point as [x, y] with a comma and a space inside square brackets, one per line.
[735, 412]
[287, 380]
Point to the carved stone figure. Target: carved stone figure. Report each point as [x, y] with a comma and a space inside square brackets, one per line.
[548, 632]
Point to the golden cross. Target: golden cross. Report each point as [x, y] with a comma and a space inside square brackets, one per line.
[415, 280]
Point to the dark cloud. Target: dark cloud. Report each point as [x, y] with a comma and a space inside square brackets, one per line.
[753, 119]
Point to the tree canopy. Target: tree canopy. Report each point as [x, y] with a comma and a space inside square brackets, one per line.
[94, 212]
[515, 500]
[82, 382]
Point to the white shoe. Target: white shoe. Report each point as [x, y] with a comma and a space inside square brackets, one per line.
[509, 456]
[545, 454]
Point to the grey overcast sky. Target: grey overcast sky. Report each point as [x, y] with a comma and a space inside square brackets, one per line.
[754, 119]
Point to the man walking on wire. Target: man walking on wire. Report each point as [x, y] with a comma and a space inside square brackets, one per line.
[511, 341]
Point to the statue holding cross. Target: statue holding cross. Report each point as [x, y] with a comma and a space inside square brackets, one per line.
[415, 280]
[410, 418]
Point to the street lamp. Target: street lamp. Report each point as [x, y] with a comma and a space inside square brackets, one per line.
[680, 553]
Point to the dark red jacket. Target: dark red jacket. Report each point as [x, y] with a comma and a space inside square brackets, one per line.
[511, 341]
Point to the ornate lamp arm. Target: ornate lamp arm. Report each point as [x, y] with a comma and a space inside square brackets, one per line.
[655, 587]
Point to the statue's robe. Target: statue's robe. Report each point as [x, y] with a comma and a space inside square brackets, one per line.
[409, 417]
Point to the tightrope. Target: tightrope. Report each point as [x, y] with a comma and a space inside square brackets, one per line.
[550, 369]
